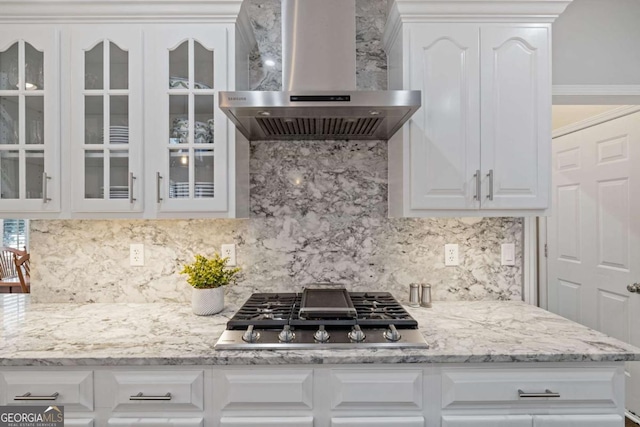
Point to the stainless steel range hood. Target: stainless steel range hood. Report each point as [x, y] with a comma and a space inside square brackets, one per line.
[320, 101]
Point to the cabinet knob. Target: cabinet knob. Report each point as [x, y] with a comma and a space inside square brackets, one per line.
[634, 288]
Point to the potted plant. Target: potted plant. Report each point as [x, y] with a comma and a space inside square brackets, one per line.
[208, 276]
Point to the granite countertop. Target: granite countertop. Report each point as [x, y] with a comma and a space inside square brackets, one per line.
[169, 334]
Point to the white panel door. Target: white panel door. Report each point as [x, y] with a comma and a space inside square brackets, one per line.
[266, 422]
[594, 233]
[155, 422]
[78, 422]
[445, 131]
[578, 421]
[487, 421]
[515, 116]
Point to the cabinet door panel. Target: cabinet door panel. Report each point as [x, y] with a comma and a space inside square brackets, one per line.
[378, 422]
[266, 422]
[487, 421]
[187, 131]
[444, 132]
[79, 422]
[29, 119]
[515, 117]
[106, 119]
[155, 422]
[578, 421]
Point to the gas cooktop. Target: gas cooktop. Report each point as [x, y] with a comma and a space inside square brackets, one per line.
[321, 318]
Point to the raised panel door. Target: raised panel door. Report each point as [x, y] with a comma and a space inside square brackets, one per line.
[187, 131]
[266, 421]
[515, 116]
[487, 421]
[611, 420]
[29, 120]
[106, 119]
[445, 131]
[155, 422]
[378, 422]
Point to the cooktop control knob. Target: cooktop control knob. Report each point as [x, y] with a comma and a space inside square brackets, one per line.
[321, 334]
[392, 334]
[250, 335]
[286, 335]
[356, 334]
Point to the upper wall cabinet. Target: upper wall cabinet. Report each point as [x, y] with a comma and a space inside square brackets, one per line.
[128, 95]
[106, 119]
[29, 121]
[480, 144]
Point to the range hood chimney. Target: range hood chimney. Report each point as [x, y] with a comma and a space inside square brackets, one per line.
[319, 77]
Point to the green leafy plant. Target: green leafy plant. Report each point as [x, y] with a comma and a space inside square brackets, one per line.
[207, 273]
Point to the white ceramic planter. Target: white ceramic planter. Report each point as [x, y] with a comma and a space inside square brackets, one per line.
[207, 301]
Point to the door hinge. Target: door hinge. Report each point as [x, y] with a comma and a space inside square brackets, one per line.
[546, 250]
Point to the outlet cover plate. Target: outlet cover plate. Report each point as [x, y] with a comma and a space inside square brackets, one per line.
[136, 255]
[229, 251]
[451, 255]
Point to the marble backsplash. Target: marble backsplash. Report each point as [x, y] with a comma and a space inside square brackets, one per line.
[318, 213]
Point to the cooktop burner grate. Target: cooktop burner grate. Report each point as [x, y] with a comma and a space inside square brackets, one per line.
[274, 310]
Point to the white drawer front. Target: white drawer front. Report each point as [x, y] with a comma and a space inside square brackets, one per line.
[578, 421]
[501, 386]
[487, 421]
[266, 422]
[156, 422]
[267, 389]
[74, 388]
[401, 389]
[78, 422]
[378, 422]
[147, 390]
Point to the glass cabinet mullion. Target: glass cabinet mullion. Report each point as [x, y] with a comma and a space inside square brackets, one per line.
[21, 66]
[22, 171]
[106, 193]
[191, 60]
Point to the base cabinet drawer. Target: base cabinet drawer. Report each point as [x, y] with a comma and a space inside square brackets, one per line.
[530, 387]
[156, 422]
[71, 389]
[378, 422]
[142, 391]
[78, 422]
[612, 420]
[266, 422]
[487, 421]
[376, 389]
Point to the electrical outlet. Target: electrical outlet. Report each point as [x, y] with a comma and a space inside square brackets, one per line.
[136, 254]
[229, 251]
[451, 255]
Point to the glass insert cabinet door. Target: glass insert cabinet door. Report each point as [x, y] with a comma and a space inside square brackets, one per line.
[107, 120]
[29, 134]
[190, 140]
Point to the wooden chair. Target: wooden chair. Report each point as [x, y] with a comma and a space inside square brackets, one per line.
[8, 273]
[23, 268]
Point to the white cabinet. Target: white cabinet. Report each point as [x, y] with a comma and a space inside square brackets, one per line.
[29, 120]
[78, 422]
[487, 421]
[266, 422]
[578, 421]
[106, 117]
[111, 111]
[187, 132]
[480, 143]
[155, 422]
[378, 422]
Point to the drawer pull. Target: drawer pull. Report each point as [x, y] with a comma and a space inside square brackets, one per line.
[29, 396]
[140, 396]
[547, 393]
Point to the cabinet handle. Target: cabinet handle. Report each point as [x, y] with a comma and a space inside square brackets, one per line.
[158, 178]
[140, 396]
[45, 178]
[490, 175]
[478, 186]
[131, 179]
[29, 396]
[547, 393]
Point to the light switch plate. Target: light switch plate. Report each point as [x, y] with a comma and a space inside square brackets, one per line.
[508, 256]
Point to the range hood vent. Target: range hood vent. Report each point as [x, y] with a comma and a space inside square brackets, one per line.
[320, 101]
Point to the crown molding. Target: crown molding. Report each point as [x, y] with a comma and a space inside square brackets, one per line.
[531, 11]
[34, 11]
[622, 111]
